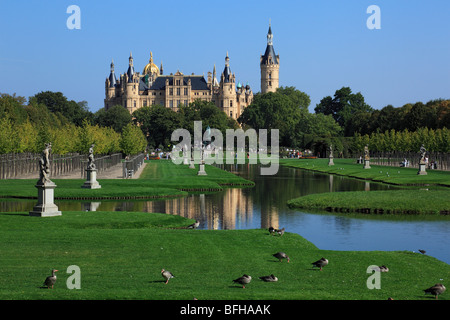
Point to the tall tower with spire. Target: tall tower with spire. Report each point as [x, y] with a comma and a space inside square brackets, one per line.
[270, 66]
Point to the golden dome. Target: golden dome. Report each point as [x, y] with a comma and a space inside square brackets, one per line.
[151, 68]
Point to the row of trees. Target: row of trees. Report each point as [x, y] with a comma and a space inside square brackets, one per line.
[404, 141]
[342, 120]
[27, 127]
[355, 116]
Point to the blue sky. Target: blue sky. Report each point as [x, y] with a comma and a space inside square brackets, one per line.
[323, 45]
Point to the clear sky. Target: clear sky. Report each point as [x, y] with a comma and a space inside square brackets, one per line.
[323, 45]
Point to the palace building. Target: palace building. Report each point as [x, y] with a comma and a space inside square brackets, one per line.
[134, 90]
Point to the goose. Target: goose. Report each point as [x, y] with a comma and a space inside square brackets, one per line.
[270, 278]
[381, 269]
[167, 275]
[272, 230]
[322, 262]
[245, 279]
[194, 225]
[50, 280]
[384, 269]
[436, 290]
[281, 231]
[281, 255]
[422, 251]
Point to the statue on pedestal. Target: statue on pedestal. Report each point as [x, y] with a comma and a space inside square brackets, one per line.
[45, 206]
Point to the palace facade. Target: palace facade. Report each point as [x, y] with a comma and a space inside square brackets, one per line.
[134, 90]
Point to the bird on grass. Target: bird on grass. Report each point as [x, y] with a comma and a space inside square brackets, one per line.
[194, 225]
[435, 290]
[422, 251]
[322, 262]
[245, 279]
[280, 231]
[281, 255]
[50, 280]
[270, 278]
[167, 275]
[272, 230]
[384, 269]
[381, 269]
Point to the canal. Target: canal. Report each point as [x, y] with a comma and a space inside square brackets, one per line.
[265, 205]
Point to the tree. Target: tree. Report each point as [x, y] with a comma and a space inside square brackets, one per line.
[56, 102]
[209, 114]
[298, 98]
[116, 117]
[157, 124]
[276, 110]
[132, 140]
[343, 106]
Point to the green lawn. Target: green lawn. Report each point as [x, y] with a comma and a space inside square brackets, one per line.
[422, 195]
[390, 202]
[158, 179]
[121, 254]
[385, 174]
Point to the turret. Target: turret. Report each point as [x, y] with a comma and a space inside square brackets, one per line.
[270, 66]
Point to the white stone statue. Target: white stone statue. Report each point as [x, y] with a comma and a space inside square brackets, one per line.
[44, 165]
[91, 164]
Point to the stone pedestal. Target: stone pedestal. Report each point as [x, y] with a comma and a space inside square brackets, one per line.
[45, 206]
[366, 164]
[192, 165]
[201, 171]
[422, 170]
[91, 180]
[185, 160]
[330, 161]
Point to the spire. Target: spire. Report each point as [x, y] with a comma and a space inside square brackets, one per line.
[161, 69]
[269, 35]
[227, 60]
[269, 56]
[227, 71]
[130, 72]
[130, 60]
[112, 76]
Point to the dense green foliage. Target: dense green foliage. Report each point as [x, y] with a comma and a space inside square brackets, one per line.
[50, 117]
[435, 140]
[343, 106]
[158, 122]
[345, 121]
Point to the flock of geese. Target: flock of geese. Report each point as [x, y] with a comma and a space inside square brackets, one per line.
[435, 290]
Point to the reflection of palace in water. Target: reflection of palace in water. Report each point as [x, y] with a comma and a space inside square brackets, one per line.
[223, 211]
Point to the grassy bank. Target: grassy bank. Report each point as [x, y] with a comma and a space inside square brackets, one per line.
[121, 254]
[410, 201]
[159, 179]
[378, 202]
[385, 174]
